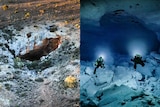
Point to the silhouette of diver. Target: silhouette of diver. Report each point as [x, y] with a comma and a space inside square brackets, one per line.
[138, 60]
[99, 63]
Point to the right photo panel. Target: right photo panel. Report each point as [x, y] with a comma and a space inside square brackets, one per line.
[120, 53]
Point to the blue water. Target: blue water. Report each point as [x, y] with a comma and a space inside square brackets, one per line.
[116, 35]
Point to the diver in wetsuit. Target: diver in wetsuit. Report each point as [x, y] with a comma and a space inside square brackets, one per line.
[138, 60]
[99, 63]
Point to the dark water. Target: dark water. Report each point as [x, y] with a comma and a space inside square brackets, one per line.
[116, 33]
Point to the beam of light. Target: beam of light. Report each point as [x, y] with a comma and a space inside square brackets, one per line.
[101, 54]
[105, 53]
[137, 47]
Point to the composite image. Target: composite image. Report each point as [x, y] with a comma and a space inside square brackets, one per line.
[79, 53]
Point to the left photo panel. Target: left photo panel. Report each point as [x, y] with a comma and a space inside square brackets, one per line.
[39, 53]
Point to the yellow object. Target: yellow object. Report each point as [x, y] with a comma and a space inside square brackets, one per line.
[38, 5]
[41, 11]
[77, 25]
[27, 15]
[56, 5]
[16, 11]
[70, 81]
[4, 7]
[66, 22]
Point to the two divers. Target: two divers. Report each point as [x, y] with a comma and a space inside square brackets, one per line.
[137, 60]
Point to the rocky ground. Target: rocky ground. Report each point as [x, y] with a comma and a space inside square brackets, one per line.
[26, 12]
[38, 83]
[121, 86]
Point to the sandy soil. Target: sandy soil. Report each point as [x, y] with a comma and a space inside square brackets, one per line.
[39, 10]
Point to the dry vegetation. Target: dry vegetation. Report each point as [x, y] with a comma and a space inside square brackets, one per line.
[22, 12]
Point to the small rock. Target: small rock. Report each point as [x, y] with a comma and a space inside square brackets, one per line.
[39, 80]
[123, 103]
[8, 86]
[29, 35]
[53, 28]
[27, 15]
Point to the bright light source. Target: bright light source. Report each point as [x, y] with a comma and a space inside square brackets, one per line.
[102, 54]
[137, 52]
[137, 47]
[105, 53]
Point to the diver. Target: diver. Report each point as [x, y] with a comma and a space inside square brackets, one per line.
[99, 63]
[138, 60]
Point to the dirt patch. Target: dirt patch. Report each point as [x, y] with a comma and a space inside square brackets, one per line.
[26, 12]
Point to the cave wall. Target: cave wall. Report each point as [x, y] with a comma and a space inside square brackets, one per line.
[114, 25]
